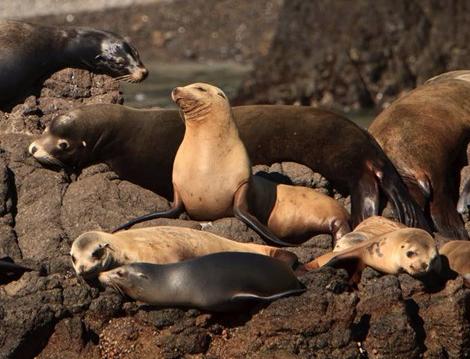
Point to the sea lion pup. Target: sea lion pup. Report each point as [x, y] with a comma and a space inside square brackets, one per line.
[218, 282]
[94, 252]
[140, 146]
[425, 134]
[31, 53]
[369, 228]
[212, 178]
[409, 250]
[457, 254]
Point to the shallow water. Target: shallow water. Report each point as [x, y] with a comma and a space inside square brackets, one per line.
[163, 77]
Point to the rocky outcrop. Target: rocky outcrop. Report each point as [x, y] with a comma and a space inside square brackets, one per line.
[361, 54]
[50, 313]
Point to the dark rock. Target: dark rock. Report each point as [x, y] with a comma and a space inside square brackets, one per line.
[365, 54]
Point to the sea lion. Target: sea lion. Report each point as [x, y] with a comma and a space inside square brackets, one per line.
[140, 145]
[9, 270]
[94, 252]
[369, 228]
[457, 255]
[218, 282]
[296, 213]
[30, 53]
[212, 178]
[409, 250]
[425, 134]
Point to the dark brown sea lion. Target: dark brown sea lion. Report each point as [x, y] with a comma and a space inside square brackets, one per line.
[30, 53]
[140, 145]
[425, 133]
[221, 282]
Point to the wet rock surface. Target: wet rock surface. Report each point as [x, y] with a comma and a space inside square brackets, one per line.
[50, 313]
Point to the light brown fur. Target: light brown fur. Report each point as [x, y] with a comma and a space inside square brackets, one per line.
[211, 162]
[410, 250]
[369, 228]
[458, 255]
[159, 245]
[301, 210]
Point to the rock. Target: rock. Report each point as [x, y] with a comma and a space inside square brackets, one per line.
[50, 313]
[360, 55]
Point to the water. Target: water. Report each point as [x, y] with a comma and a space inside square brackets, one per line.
[163, 77]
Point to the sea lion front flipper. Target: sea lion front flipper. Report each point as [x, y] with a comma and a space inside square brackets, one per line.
[10, 271]
[240, 210]
[176, 209]
[365, 199]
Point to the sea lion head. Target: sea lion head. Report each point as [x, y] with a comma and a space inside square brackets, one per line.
[417, 251]
[107, 53]
[199, 99]
[91, 254]
[128, 279]
[62, 143]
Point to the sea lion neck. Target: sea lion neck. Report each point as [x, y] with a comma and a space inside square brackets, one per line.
[214, 123]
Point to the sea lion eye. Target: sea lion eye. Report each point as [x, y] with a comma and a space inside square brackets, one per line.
[120, 273]
[63, 145]
[221, 95]
[201, 89]
[410, 254]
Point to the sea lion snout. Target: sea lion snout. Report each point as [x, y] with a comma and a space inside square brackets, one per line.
[139, 74]
[174, 93]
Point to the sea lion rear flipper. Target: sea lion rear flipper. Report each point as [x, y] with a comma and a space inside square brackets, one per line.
[176, 209]
[240, 210]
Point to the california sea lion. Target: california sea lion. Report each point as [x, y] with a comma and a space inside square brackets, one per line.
[425, 134]
[140, 145]
[94, 252]
[457, 254]
[409, 250]
[369, 228]
[296, 213]
[219, 282]
[10, 270]
[212, 177]
[31, 53]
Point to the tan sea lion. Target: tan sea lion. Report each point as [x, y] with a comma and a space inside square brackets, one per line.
[369, 228]
[212, 177]
[425, 133]
[31, 53]
[409, 250]
[218, 282]
[457, 254]
[140, 146]
[94, 252]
